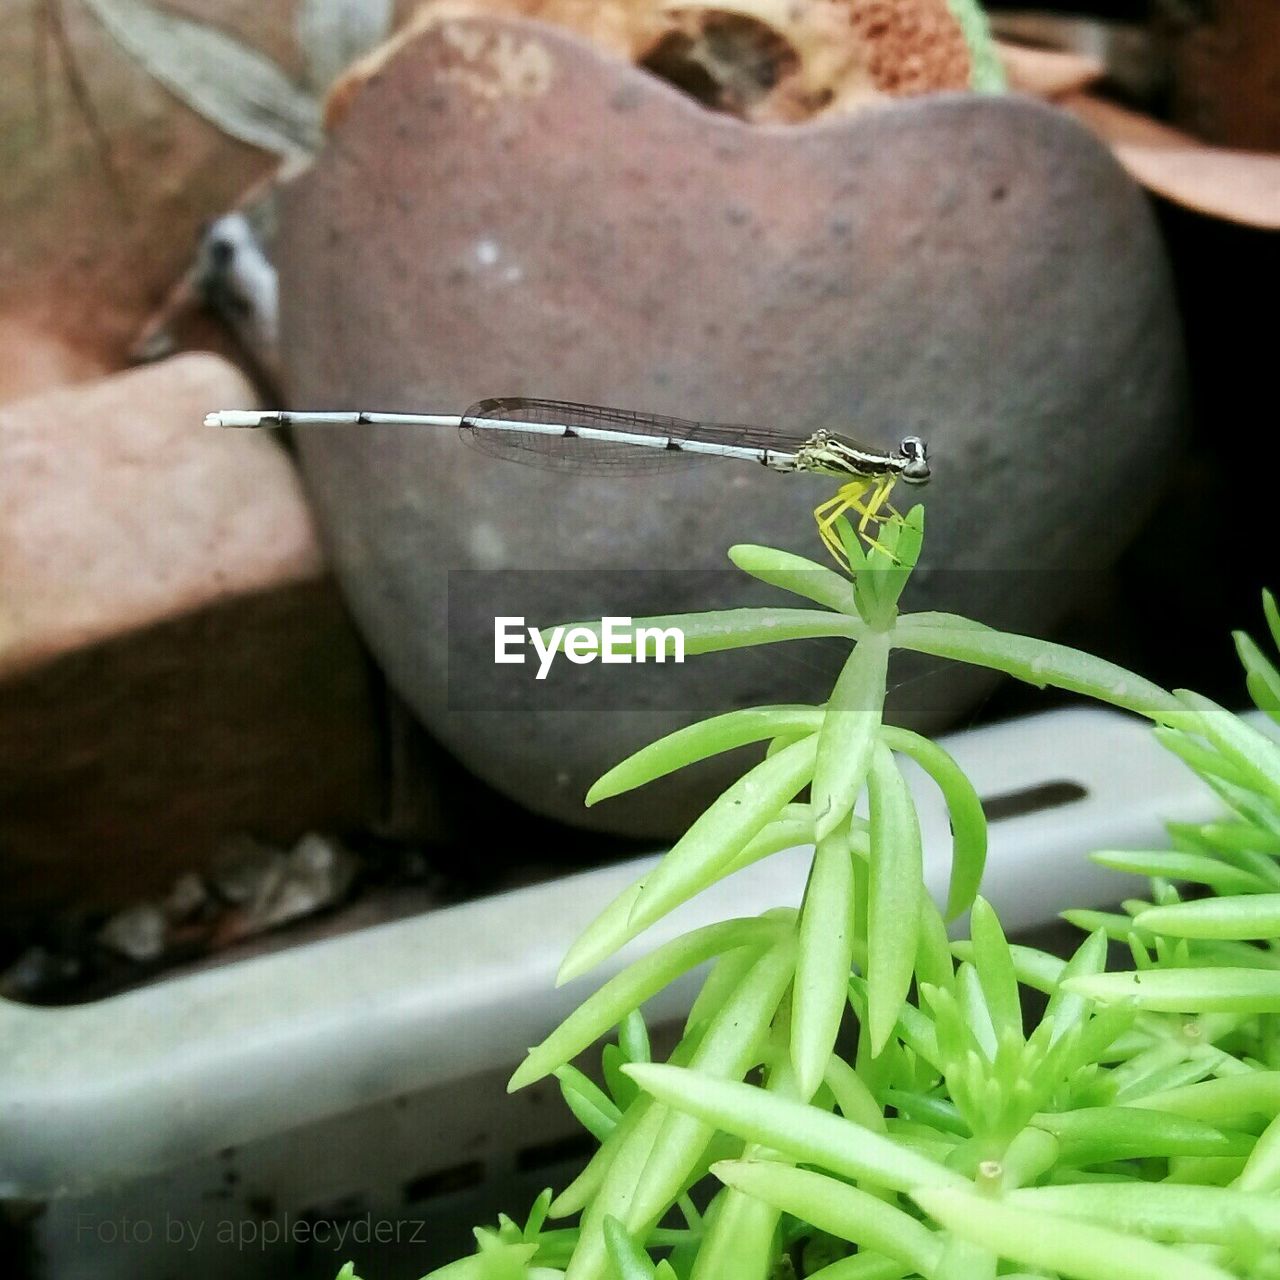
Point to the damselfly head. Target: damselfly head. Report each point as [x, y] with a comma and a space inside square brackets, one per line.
[915, 455]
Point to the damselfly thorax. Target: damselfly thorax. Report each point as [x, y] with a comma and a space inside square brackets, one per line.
[871, 476]
[594, 439]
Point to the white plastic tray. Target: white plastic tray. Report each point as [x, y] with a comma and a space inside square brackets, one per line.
[132, 1099]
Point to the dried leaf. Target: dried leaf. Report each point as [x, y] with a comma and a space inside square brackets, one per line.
[332, 34]
[1239, 186]
[1048, 73]
[231, 85]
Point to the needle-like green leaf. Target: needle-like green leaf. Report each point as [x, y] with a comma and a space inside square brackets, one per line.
[804, 1133]
[732, 1044]
[1221, 1101]
[630, 1262]
[1255, 754]
[1036, 969]
[1186, 990]
[1272, 615]
[594, 1110]
[848, 733]
[614, 1195]
[836, 1207]
[823, 960]
[864, 1266]
[499, 1262]
[739, 1241]
[794, 573]
[626, 991]
[994, 963]
[1091, 1135]
[1066, 1009]
[1074, 1248]
[1260, 674]
[701, 741]
[1168, 864]
[1254, 916]
[583, 1189]
[711, 844]
[964, 807]
[1206, 760]
[1043, 664]
[895, 890]
[1164, 1211]
[934, 964]
[1262, 1170]
[633, 1038]
[730, 628]
[613, 928]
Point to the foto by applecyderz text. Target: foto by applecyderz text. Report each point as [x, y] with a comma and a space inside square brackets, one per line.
[251, 1233]
[612, 640]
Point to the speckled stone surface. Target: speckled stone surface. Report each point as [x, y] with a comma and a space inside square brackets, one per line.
[505, 212]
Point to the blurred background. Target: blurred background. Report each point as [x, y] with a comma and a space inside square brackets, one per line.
[229, 721]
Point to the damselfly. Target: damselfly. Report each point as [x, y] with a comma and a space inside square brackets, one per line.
[588, 438]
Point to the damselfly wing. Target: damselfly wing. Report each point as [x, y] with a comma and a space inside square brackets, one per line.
[595, 440]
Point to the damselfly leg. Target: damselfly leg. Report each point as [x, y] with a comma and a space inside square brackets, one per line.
[866, 497]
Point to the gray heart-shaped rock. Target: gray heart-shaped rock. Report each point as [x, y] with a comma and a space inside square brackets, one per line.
[506, 212]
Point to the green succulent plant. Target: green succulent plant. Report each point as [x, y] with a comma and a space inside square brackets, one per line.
[1130, 1133]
